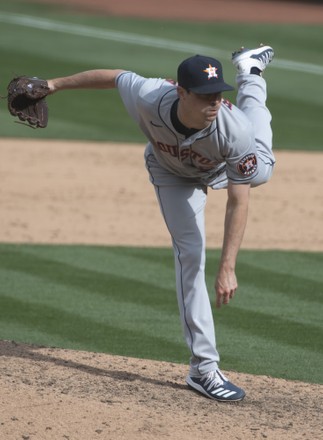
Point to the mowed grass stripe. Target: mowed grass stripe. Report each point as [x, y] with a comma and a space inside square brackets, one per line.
[118, 288]
[271, 327]
[129, 315]
[80, 332]
[255, 355]
[82, 293]
[101, 298]
[122, 261]
[295, 286]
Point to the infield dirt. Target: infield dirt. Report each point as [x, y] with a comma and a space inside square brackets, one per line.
[55, 192]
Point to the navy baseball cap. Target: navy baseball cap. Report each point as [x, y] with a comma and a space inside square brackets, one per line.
[202, 75]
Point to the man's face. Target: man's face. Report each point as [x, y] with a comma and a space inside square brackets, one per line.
[202, 109]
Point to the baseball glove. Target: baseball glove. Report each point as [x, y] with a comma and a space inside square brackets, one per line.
[26, 100]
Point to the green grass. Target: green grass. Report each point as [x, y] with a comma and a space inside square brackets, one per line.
[295, 97]
[122, 301]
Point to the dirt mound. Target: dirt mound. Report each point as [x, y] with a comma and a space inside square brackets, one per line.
[61, 394]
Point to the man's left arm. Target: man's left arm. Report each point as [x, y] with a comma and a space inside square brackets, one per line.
[88, 79]
[234, 226]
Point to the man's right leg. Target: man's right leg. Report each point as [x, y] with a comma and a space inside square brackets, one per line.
[183, 210]
[182, 205]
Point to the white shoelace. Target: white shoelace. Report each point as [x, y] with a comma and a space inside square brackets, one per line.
[214, 379]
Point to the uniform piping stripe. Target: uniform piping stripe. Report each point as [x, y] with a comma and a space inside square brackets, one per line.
[179, 260]
[181, 274]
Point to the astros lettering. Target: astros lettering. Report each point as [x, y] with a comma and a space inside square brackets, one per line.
[202, 163]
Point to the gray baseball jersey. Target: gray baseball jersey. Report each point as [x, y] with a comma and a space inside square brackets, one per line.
[237, 146]
[226, 149]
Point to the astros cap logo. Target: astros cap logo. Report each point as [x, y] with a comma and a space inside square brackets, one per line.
[211, 71]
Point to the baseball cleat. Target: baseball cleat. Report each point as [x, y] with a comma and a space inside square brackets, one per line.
[244, 59]
[216, 386]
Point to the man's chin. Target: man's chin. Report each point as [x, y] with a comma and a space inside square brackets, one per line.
[212, 117]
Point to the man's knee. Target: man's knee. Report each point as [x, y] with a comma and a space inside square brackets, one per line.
[192, 256]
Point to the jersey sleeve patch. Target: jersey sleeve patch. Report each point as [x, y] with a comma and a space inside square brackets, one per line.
[248, 165]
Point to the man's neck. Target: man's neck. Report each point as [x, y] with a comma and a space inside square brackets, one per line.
[187, 121]
[177, 123]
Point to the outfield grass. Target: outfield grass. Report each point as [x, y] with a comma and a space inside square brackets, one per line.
[295, 94]
[122, 301]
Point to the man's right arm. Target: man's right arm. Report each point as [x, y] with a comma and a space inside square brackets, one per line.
[90, 79]
[234, 227]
